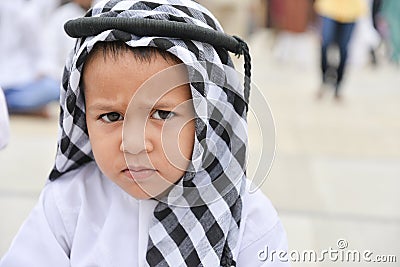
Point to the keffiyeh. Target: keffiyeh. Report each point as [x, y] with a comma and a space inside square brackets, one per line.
[197, 222]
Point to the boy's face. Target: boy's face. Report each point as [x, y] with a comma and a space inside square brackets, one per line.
[144, 145]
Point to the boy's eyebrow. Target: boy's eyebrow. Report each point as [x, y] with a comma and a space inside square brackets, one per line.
[165, 104]
[101, 106]
[161, 104]
[170, 103]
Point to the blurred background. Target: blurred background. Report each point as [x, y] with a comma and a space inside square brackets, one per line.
[336, 172]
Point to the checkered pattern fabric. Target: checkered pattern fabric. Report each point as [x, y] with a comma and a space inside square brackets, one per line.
[197, 222]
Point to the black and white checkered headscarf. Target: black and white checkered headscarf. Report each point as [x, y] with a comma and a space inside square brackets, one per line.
[197, 222]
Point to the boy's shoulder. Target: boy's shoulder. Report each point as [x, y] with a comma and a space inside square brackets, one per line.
[79, 177]
[259, 217]
[257, 207]
[86, 183]
[261, 228]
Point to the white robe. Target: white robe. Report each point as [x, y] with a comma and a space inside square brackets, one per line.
[83, 219]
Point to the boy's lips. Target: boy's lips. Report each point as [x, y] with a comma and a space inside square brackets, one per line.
[139, 173]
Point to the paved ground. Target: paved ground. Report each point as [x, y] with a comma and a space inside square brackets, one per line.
[336, 173]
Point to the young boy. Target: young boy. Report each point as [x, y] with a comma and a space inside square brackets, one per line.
[150, 169]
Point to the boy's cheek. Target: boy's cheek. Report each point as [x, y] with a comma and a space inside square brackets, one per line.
[179, 151]
[106, 150]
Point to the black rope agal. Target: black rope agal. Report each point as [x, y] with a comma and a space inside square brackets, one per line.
[91, 26]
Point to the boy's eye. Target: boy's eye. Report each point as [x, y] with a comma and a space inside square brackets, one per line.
[111, 117]
[162, 115]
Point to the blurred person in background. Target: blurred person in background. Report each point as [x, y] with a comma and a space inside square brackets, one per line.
[46, 7]
[4, 127]
[290, 15]
[290, 19]
[391, 14]
[375, 15]
[365, 39]
[338, 18]
[26, 90]
[56, 44]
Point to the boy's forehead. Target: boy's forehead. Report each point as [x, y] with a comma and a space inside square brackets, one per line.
[165, 70]
[114, 50]
[150, 80]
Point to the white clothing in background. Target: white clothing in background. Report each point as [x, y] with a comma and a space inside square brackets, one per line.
[20, 27]
[83, 219]
[364, 38]
[56, 44]
[47, 7]
[4, 125]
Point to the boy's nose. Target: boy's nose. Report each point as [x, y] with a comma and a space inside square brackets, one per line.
[134, 138]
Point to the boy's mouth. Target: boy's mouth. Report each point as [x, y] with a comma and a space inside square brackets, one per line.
[139, 173]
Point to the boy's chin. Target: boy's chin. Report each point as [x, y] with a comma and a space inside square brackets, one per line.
[143, 194]
[137, 193]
